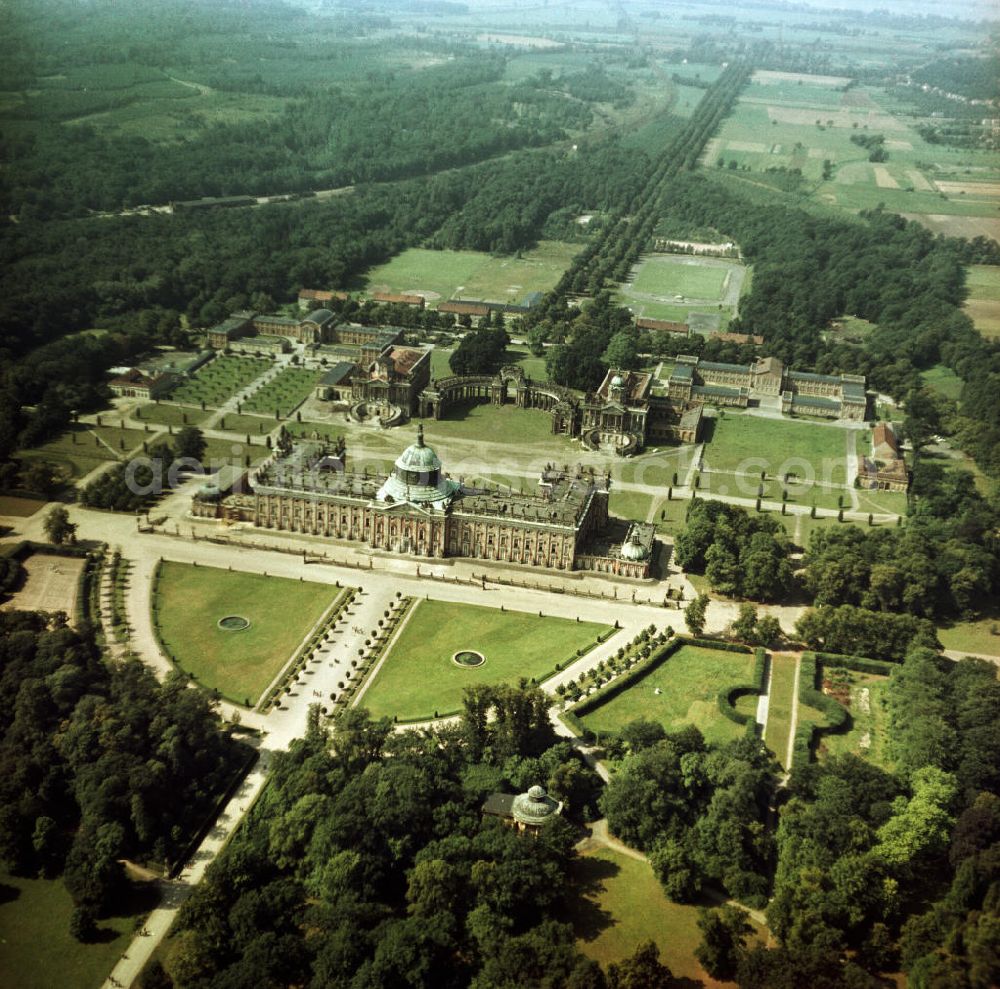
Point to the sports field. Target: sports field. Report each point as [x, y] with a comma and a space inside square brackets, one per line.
[190, 600]
[750, 444]
[983, 303]
[682, 690]
[418, 676]
[677, 274]
[441, 275]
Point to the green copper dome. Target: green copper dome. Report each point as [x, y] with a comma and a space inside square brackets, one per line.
[633, 551]
[416, 477]
[535, 807]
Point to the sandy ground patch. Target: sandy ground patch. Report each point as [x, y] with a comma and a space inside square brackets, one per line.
[766, 77]
[747, 146]
[841, 118]
[424, 293]
[818, 153]
[985, 313]
[959, 226]
[883, 179]
[918, 181]
[898, 146]
[50, 585]
[988, 189]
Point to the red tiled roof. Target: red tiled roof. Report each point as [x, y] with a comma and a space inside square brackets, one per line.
[663, 325]
[403, 297]
[465, 308]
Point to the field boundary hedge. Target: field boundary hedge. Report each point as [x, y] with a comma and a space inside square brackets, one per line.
[728, 696]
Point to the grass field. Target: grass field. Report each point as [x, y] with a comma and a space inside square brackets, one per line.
[781, 701]
[36, 949]
[943, 380]
[441, 275]
[83, 447]
[283, 394]
[981, 636]
[493, 423]
[868, 736]
[669, 275]
[219, 380]
[190, 600]
[751, 444]
[418, 676]
[258, 426]
[169, 415]
[630, 504]
[688, 682]
[614, 903]
[983, 304]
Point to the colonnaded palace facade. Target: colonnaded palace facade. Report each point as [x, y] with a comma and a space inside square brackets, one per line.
[419, 510]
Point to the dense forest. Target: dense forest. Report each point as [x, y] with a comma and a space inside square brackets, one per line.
[99, 761]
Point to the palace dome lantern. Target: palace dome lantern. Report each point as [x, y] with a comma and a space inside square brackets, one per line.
[416, 476]
[535, 808]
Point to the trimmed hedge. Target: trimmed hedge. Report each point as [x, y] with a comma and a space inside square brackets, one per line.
[837, 717]
[860, 664]
[623, 682]
[726, 698]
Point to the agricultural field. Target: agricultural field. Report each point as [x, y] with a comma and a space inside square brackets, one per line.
[749, 444]
[983, 303]
[284, 393]
[38, 951]
[220, 379]
[442, 275]
[682, 690]
[418, 676]
[615, 902]
[798, 122]
[188, 602]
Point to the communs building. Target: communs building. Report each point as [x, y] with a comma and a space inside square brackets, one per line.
[418, 510]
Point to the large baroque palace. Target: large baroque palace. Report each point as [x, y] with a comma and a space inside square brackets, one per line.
[419, 510]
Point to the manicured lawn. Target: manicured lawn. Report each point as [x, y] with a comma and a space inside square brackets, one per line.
[283, 393]
[780, 704]
[980, 636]
[36, 949]
[680, 275]
[881, 501]
[219, 380]
[258, 426]
[752, 443]
[614, 903]
[190, 602]
[630, 505]
[493, 423]
[472, 274]
[233, 452]
[169, 415]
[869, 733]
[83, 447]
[418, 676]
[688, 683]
